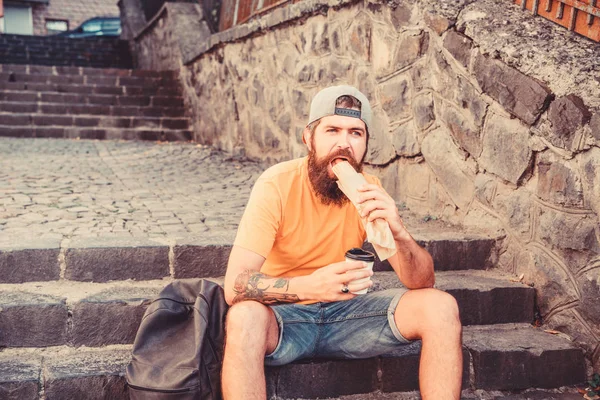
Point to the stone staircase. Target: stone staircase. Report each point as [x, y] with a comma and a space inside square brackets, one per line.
[69, 311]
[91, 103]
[54, 50]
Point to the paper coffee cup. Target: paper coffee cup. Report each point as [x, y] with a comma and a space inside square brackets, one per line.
[356, 254]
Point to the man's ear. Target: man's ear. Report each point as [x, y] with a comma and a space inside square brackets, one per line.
[306, 137]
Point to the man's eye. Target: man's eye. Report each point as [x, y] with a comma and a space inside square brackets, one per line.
[357, 133]
[331, 130]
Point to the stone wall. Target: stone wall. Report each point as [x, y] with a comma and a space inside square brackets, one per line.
[485, 116]
[174, 34]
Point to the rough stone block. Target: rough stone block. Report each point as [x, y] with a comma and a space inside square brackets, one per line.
[423, 111]
[396, 97]
[559, 181]
[405, 140]
[451, 252]
[32, 320]
[409, 49]
[506, 151]
[519, 94]
[359, 38]
[590, 170]
[447, 163]
[401, 15]
[37, 262]
[515, 206]
[567, 114]
[595, 126]
[381, 151]
[459, 46]
[400, 369]
[104, 259]
[509, 304]
[202, 257]
[482, 297]
[512, 357]
[110, 317]
[437, 23]
[93, 375]
[568, 231]
[400, 374]
[464, 130]
[327, 378]
[20, 378]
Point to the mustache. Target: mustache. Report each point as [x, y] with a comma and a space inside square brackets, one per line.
[346, 154]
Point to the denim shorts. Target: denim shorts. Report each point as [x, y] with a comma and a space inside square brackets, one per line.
[359, 328]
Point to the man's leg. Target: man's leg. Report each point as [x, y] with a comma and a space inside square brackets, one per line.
[432, 316]
[251, 332]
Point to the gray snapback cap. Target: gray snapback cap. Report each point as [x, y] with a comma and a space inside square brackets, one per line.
[323, 104]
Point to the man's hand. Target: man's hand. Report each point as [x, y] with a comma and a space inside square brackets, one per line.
[376, 203]
[325, 284]
[412, 263]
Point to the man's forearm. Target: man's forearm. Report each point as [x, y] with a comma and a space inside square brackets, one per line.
[414, 264]
[253, 285]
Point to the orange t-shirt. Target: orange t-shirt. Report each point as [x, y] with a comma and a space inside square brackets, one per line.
[287, 224]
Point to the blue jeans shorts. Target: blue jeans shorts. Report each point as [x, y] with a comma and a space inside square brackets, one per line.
[359, 328]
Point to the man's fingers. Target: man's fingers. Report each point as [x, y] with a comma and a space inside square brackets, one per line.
[357, 274]
[357, 287]
[342, 267]
[372, 205]
[368, 186]
[378, 214]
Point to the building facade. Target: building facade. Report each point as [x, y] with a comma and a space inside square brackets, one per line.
[47, 17]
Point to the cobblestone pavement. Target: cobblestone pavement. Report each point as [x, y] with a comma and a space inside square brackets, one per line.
[55, 188]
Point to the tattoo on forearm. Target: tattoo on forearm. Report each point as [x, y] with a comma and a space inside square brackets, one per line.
[251, 285]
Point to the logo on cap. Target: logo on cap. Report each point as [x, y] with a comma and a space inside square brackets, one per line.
[347, 112]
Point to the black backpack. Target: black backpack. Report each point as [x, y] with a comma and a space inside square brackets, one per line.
[178, 349]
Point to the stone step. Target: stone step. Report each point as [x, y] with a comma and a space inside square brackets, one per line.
[96, 314]
[496, 357]
[107, 60]
[43, 120]
[61, 70]
[172, 89]
[114, 80]
[91, 99]
[52, 50]
[105, 133]
[89, 109]
[120, 258]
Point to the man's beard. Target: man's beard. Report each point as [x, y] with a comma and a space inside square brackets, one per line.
[326, 187]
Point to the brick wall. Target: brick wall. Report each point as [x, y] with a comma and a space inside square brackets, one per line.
[73, 11]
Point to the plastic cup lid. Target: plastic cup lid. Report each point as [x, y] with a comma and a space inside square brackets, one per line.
[360, 254]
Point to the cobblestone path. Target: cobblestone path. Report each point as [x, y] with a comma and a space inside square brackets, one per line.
[55, 188]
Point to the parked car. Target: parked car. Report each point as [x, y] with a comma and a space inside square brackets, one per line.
[97, 26]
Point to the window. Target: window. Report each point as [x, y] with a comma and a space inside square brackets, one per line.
[54, 26]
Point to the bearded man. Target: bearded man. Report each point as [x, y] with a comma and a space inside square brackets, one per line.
[290, 288]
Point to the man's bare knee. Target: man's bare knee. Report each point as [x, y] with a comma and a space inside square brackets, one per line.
[428, 311]
[440, 312]
[251, 325]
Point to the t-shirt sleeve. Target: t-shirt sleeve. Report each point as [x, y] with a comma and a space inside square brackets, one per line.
[260, 222]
